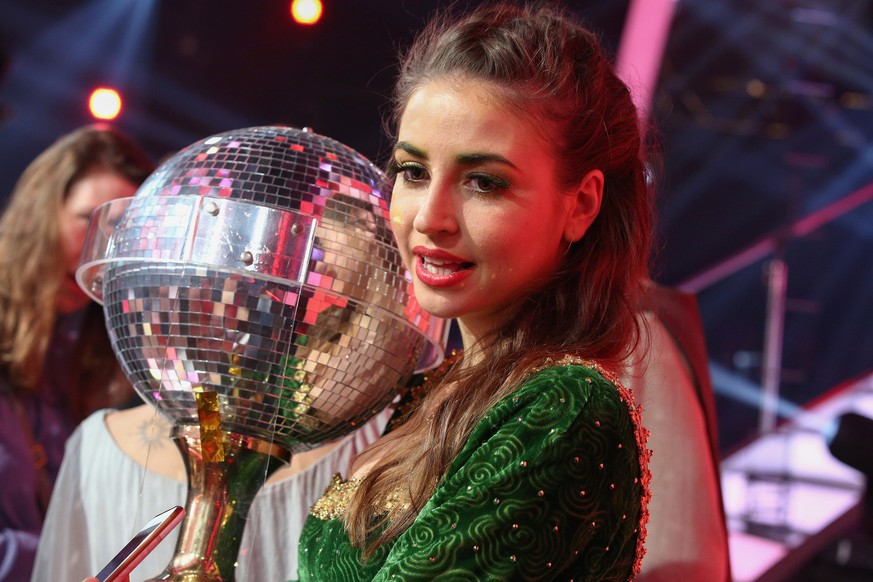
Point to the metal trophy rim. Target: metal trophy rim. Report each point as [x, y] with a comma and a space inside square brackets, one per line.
[94, 261]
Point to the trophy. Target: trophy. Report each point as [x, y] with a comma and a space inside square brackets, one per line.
[255, 296]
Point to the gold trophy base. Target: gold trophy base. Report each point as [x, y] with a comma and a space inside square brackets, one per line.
[220, 493]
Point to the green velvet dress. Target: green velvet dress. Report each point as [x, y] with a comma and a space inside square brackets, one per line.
[551, 485]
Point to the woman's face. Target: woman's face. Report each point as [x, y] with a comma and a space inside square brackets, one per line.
[477, 212]
[97, 186]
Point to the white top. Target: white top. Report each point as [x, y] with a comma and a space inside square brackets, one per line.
[102, 497]
[686, 537]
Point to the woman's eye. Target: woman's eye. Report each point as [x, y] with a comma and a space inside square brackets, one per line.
[409, 172]
[486, 184]
[414, 173]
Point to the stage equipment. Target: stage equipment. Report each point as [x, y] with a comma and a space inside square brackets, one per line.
[255, 296]
[851, 445]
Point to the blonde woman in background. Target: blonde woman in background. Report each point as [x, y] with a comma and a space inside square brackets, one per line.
[56, 364]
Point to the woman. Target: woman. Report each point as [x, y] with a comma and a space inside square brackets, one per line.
[56, 365]
[520, 206]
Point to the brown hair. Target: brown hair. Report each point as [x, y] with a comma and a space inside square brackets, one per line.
[550, 65]
[31, 262]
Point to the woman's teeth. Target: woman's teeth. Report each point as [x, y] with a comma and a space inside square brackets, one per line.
[441, 267]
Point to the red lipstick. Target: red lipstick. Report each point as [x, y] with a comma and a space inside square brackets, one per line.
[438, 268]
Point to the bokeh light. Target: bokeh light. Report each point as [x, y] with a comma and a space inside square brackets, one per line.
[306, 11]
[105, 103]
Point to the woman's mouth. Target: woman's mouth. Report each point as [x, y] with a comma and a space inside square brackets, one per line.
[437, 268]
[443, 267]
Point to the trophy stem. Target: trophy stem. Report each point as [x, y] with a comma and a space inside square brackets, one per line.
[220, 494]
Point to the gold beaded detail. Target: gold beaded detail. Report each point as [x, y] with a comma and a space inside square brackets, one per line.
[336, 499]
[395, 504]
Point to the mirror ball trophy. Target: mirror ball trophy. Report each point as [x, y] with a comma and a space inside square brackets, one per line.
[255, 296]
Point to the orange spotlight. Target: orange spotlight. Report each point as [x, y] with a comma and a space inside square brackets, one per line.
[306, 11]
[105, 103]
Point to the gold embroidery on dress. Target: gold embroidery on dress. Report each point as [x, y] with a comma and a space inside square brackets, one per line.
[338, 497]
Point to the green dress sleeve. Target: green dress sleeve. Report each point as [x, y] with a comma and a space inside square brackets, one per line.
[549, 486]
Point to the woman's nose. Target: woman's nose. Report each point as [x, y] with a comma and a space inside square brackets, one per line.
[437, 211]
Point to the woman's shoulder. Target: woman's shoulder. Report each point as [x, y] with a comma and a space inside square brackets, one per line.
[575, 366]
[92, 429]
[574, 382]
[92, 444]
[563, 396]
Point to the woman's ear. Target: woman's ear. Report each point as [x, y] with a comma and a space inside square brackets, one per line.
[584, 207]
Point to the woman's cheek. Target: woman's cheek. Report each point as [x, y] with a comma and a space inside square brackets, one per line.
[402, 216]
[397, 222]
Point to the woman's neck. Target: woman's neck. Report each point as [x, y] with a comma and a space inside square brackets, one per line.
[470, 339]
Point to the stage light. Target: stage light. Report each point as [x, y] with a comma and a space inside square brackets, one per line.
[105, 103]
[306, 11]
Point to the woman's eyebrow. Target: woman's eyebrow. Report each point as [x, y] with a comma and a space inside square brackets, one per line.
[468, 159]
[410, 149]
[463, 159]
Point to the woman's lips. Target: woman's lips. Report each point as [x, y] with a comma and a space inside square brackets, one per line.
[436, 268]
